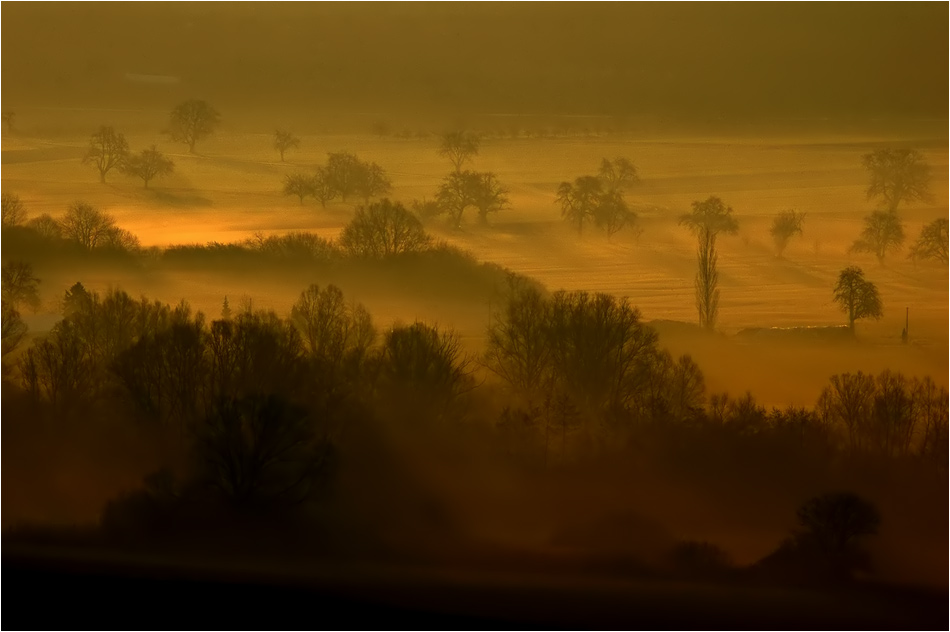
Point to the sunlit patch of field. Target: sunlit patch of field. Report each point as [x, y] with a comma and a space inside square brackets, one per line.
[230, 190]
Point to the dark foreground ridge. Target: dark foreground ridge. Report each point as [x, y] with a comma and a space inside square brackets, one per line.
[47, 592]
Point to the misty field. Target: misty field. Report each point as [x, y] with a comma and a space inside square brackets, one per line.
[231, 191]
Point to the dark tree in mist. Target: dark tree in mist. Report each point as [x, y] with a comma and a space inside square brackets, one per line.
[13, 211]
[785, 226]
[13, 330]
[322, 187]
[107, 150]
[346, 175]
[455, 195]
[612, 213]
[707, 221]
[330, 327]
[932, 243]
[579, 200]
[20, 287]
[832, 525]
[856, 296]
[87, 225]
[262, 452]
[518, 349]
[193, 120]
[459, 147]
[883, 232]
[489, 196]
[425, 368]
[383, 229]
[148, 165]
[600, 199]
[46, 227]
[342, 173]
[618, 173]
[897, 175]
[462, 189]
[298, 184]
[8, 118]
[372, 182]
[284, 140]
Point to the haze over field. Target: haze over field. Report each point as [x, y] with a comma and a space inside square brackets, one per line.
[470, 414]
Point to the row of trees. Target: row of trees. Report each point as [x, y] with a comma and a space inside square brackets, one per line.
[385, 229]
[82, 224]
[573, 361]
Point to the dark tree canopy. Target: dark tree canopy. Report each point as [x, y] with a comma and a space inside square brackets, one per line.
[856, 296]
[13, 211]
[383, 229]
[897, 175]
[108, 149]
[459, 147]
[298, 184]
[883, 232]
[20, 286]
[193, 120]
[786, 225]
[284, 140]
[148, 165]
[618, 173]
[349, 176]
[600, 199]
[579, 200]
[932, 243]
[834, 521]
[321, 187]
[462, 189]
[87, 225]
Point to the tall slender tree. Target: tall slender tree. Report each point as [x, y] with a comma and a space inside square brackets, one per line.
[708, 219]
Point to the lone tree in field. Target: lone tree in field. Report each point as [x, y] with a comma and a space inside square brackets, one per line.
[785, 226]
[856, 296]
[459, 147]
[883, 232]
[298, 184]
[148, 165]
[284, 140]
[107, 150]
[8, 118]
[707, 221]
[897, 175]
[932, 243]
[193, 120]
